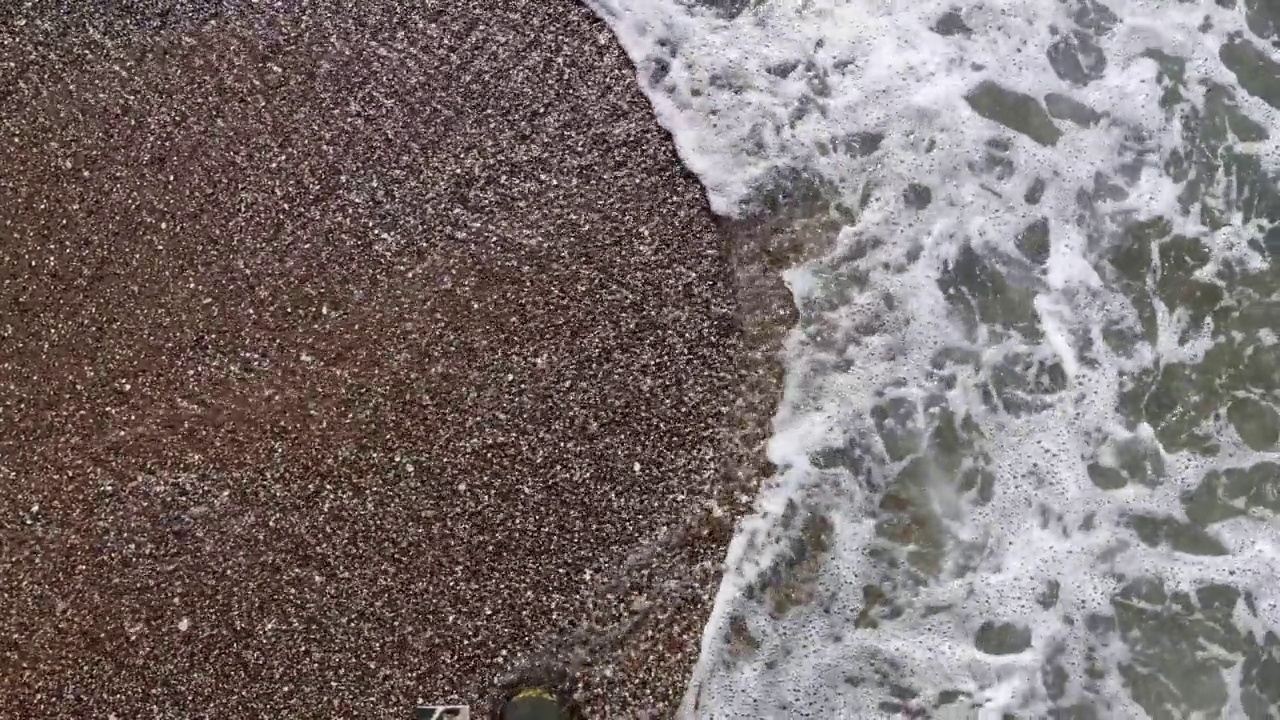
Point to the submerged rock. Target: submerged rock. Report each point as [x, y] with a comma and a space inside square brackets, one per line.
[1263, 17]
[917, 196]
[1002, 638]
[1063, 107]
[727, 9]
[1257, 73]
[1077, 58]
[1033, 242]
[951, 24]
[1095, 17]
[1017, 111]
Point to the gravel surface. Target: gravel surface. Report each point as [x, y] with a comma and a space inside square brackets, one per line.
[349, 353]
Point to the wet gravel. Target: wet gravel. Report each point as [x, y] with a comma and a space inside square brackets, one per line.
[350, 352]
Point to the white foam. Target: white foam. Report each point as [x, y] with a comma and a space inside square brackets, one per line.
[879, 68]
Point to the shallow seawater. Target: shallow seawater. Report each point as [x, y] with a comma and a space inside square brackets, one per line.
[1028, 450]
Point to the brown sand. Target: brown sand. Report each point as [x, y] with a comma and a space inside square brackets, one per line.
[347, 356]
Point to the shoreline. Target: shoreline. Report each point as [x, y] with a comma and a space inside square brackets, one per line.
[314, 312]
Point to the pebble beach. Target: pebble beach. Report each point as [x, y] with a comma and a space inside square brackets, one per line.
[351, 354]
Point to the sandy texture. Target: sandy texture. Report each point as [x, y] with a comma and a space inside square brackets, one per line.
[348, 354]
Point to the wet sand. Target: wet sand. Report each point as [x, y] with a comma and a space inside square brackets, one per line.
[347, 356]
